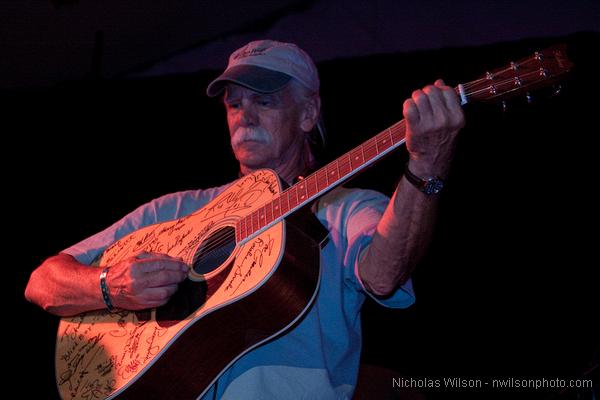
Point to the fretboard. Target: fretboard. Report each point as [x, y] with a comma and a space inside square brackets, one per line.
[539, 70]
[321, 181]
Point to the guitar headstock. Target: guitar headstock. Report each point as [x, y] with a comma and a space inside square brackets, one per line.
[542, 69]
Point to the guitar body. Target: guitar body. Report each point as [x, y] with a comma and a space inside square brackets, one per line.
[238, 296]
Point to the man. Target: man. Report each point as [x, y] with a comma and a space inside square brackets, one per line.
[271, 95]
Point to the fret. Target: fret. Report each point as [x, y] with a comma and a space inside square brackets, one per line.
[345, 165]
[255, 224]
[332, 172]
[242, 229]
[373, 141]
[269, 213]
[301, 191]
[261, 217]
[370, 149]
[285, 202]
[293, 197]
[311, 185]
[388, 133]
[393, 134]
[246, 231]
[248, 219]
[356, 158]
[383, 141]
[321, 179]
[398, 132]
[277, 207]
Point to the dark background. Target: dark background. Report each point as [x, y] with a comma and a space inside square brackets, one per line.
[509, 288]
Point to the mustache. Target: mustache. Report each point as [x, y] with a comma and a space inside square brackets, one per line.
[250, 133]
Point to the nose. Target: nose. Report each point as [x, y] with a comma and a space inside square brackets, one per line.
[248, 115]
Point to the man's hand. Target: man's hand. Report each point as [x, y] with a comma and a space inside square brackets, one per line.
[144, 281]
[434, 117]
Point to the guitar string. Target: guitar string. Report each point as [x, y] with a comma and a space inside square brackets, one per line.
[370, 144]
[504, 82]
[493, 75]
[487, 81]
[522, 64]
[221, 240]
[223, 237]
[535, 71]
[344, 162]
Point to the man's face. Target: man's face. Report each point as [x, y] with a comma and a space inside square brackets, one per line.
[264, 128]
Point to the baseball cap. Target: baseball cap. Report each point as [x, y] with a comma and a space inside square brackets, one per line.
[266, 66]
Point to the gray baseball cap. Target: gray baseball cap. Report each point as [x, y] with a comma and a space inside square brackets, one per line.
[266, 66]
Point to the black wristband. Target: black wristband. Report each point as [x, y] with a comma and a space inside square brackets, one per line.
[104, 290]
[429, 186]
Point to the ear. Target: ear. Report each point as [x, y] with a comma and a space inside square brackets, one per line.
[310, 113]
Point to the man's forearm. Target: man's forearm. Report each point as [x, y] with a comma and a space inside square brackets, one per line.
[64, 287]
[400, 241]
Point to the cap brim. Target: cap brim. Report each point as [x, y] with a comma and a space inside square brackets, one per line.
[250, 76]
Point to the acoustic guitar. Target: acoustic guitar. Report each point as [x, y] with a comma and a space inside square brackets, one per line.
[253, 254]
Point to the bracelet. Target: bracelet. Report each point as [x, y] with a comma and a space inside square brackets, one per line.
[104, 289]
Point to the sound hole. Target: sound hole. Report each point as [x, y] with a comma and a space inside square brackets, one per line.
[214, 250]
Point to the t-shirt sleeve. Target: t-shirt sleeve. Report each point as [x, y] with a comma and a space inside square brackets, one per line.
[164, 208]
[363, 215]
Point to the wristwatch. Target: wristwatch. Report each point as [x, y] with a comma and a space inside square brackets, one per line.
[430, 185]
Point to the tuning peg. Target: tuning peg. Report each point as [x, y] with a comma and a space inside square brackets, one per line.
[529, 97]
[556, 89]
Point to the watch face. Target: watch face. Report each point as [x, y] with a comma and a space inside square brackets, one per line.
[433, 186]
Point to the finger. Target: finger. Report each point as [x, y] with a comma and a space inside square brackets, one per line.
[452, 101]
[163, 278]
[423, 106]
[450, 96]
[450, 112]
[454, 109]
[144, 255]
[159, 296]
[437, 103]
[162, 263]
[410, 111]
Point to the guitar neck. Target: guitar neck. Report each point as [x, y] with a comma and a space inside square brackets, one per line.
[539, 70]
[326, 178]
[322, 181]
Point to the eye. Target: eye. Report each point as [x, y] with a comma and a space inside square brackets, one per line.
[232, 105]
[265, 101]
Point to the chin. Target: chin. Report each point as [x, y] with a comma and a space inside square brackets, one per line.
[251, 162]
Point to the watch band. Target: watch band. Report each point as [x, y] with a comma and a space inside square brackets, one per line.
[429, 185]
